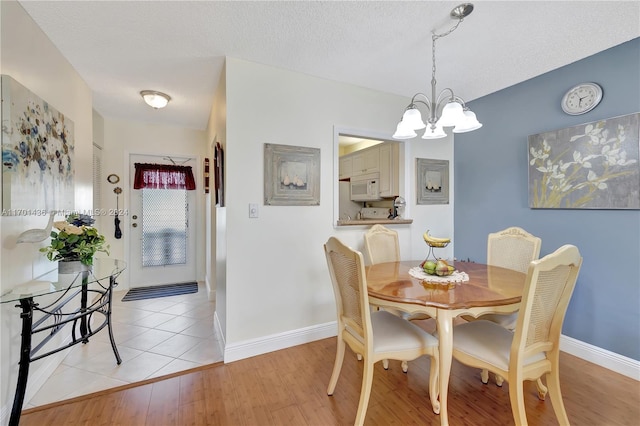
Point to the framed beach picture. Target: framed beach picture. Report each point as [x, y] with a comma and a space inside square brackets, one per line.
[590, 166]
[432, 181]
[37, 153]
[291, 175]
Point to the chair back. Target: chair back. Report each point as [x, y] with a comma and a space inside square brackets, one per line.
[548, 289]
[346, 267]
[512, 248]
[381, 245]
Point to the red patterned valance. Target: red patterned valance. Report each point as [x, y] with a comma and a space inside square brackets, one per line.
[163, 176]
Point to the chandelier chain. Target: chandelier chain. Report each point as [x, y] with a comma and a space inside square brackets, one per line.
[434, 37]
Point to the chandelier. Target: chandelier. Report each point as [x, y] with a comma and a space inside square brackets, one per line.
[453, 111]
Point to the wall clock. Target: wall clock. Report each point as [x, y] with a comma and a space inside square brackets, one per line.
[581, 98]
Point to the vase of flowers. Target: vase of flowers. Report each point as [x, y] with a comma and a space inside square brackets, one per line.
[75, 243]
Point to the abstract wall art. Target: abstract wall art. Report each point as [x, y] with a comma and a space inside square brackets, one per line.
[37, 153]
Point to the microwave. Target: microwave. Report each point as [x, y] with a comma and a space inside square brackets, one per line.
[365, 187]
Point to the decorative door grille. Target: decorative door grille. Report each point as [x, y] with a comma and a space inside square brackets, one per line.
[164, 227]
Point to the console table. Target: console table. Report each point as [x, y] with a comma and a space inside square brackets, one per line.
[64, 288]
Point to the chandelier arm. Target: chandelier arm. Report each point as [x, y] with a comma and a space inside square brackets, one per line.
[415, 101]
[449, 95]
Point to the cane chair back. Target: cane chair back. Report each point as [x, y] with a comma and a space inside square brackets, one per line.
[381, 245]
[533, 349]
[375, 335]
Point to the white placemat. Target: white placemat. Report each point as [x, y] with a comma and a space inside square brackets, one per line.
[455, 277]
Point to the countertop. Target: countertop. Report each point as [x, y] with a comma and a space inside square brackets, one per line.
[352, 222]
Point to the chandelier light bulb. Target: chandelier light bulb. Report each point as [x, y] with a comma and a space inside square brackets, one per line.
[434, 133]
[452, 114]
[469, 124]
[413, 119]
[404, 132]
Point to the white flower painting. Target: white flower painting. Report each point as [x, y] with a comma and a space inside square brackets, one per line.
[591, 166]
[37, 152]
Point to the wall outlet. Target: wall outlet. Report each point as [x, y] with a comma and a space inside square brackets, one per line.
[253, 210]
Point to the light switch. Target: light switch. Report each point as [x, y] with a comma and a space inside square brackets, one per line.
[253, 210]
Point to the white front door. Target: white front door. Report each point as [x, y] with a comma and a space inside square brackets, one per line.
[162, 232]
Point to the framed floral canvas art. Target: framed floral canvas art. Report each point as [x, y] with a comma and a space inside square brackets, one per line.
[37, 153]
[291, 175]
[590, 166]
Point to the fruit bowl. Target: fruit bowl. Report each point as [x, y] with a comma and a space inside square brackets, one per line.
[437, 244]
[439, 268]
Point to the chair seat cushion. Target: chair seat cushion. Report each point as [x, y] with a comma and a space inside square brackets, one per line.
[392, 333]
[508, 321]
[488, 342]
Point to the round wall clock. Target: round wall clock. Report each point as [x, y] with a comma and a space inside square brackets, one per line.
[581, 98]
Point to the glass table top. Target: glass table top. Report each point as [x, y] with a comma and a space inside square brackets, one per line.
[54, 282]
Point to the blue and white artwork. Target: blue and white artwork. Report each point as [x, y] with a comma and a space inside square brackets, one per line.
[37, 153]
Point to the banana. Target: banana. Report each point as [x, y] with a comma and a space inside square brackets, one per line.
[433, 240]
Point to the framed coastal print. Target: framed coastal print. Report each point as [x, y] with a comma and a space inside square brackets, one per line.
[432, 181]
[291, 175]
[37, 153]
[591, 166]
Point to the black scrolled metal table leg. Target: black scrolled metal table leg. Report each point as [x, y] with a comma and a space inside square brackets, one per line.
[112, 283]
[83, 307]
[25, 359]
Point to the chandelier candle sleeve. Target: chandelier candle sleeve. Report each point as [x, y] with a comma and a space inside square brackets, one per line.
[445, 110]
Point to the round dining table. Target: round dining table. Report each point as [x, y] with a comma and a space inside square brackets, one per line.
[489, 289]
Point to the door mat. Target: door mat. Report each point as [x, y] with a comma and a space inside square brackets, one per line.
[166, 290]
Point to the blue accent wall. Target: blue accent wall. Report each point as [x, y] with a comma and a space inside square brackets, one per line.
[491, 193]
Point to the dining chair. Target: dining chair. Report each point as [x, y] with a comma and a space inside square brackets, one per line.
[533, 349]
[381, 245]
[512, 248]
[377, 335]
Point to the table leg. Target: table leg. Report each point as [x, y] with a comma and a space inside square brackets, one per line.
[445, 335]
[25, 360]
[83, 307]
[112, 283]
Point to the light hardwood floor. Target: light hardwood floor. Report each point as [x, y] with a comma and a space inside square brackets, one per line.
[289, 387]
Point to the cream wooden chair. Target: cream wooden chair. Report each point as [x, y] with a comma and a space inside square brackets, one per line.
[512, 248]
[381, 245]
[533, 349]
[376, 335]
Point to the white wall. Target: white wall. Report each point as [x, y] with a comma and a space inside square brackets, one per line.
[276, 274]
[122, 138]
[216, 247]
[29, 57]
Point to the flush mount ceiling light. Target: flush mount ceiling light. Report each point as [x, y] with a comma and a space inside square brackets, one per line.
[447, 109]
[155, 99]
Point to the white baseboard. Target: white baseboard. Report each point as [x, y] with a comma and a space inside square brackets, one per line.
[248, 348]
[602, 357]
[218, 327]
[274, 342]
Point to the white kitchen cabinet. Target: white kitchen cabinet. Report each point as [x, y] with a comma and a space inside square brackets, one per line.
[345, 169]
[389, 170]
[366, 161]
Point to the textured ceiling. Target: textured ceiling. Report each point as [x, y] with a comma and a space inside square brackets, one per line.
[178, 47]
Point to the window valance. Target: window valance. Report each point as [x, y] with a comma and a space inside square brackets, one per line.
[163, 176]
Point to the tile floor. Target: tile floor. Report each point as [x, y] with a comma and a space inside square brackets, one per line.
[154, 337]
